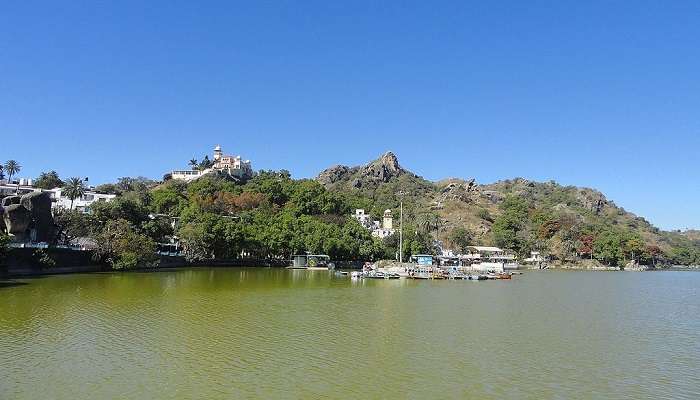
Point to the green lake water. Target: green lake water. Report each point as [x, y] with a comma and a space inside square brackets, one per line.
[273, 333]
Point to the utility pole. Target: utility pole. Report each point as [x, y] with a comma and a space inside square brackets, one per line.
[400, 194]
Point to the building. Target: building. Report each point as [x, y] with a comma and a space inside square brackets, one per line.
[83, 203]
[231, 165]
[379, 229]
[486, 258]
[363, 218]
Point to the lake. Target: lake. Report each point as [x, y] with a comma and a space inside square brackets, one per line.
[225, 333]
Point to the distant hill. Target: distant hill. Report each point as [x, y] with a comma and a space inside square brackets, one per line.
[566, 222]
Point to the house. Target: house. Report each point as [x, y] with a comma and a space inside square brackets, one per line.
[82, 203]
[380, 230]
[231, 165]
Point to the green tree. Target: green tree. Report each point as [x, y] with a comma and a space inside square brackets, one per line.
[194, 164]
[461, 238]
[169, 198]
[121, 246]
[48, 180]
[508, 228]
[126, 208]
[608, 248]
[72, 224]
[206, 163]
[12, 168]
[74, 189]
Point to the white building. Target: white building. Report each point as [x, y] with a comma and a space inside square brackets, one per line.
[486, 258]
[83, 203]
[379, 229]
[535, 257]
[232, 165]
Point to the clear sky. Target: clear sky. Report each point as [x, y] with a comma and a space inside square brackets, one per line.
[601, 94]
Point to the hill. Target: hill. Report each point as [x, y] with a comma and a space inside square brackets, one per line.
[565, 222]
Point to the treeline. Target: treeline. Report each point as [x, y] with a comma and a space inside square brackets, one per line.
[269, 217]
[571, 236]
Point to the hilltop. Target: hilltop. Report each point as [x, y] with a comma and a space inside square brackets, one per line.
[565, 222]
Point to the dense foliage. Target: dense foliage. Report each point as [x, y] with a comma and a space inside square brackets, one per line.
[552, 220]
[271, 216]
[48, 180]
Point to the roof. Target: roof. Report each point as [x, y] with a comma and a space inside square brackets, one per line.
[486, 248]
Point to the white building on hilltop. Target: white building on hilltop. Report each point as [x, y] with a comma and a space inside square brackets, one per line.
[379, 229]
[231, 165]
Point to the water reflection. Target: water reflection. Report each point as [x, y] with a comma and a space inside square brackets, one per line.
[275, 333]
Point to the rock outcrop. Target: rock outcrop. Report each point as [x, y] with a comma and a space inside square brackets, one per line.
[10, 200]
[17, 220]
[383, 169]
[592, 200]
[39, 206]
[458, 189]
[28, 217]
[332, 175]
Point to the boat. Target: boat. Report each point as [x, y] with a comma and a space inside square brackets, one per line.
[311, 262]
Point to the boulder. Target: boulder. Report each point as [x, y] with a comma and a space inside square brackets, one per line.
[634, 265]
[493, 196]
[17, 221]
[10, 200]
[39, 206]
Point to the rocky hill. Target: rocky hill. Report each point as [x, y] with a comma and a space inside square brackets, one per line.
[377, 184]
[564, 221]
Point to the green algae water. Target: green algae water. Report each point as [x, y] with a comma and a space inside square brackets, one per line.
[271, 333]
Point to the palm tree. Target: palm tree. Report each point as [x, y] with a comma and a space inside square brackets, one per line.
[425, 222]
[74, 189]
[12, 167]
[194, 164]
[2, 172]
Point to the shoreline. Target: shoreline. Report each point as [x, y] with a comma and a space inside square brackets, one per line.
[34, 272]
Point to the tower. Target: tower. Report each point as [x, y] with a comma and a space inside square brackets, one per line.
[388, 222]
[217, 153]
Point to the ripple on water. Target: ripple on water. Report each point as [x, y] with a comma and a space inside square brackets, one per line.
[265, 333]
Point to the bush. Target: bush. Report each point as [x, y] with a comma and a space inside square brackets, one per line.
[43, 259]
[485, 215]
[121, 246]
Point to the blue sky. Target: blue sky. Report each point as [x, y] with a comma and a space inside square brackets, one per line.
[601, 94]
